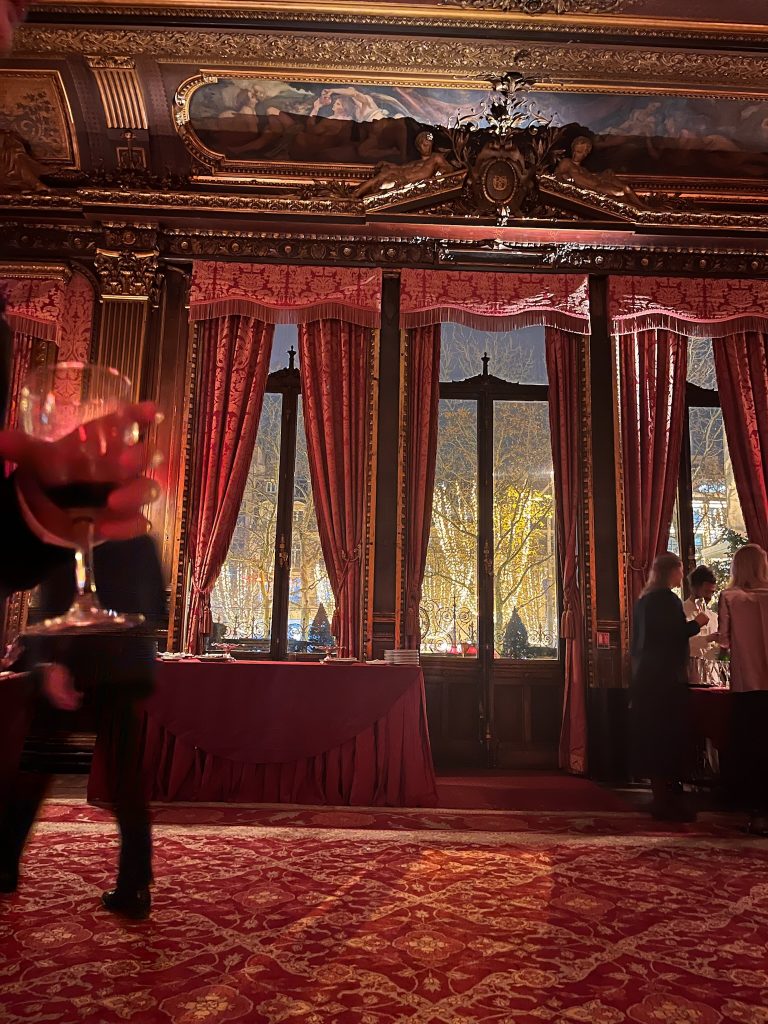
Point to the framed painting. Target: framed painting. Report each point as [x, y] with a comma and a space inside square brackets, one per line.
[251, 124]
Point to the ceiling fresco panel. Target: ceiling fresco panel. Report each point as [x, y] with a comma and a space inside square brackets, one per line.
[233, 122]
[35, 107]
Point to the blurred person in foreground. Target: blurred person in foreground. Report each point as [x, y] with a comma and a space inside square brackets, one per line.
[114, 672]
[743, 615]
[703, 666]
[11, 14]
[660, 709]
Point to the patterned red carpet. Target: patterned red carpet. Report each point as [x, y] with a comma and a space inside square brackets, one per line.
[431, 925]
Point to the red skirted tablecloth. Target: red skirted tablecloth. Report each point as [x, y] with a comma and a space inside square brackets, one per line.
[284, 732]
[712, 714]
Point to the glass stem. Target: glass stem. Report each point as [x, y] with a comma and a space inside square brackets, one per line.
[84, 578]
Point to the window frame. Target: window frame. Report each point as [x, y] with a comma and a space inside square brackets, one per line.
[285, 382]
[695, 398]
[486, 389]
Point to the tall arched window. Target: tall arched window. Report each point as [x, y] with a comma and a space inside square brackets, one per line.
[273, 596]
[708, 525]
[490, 586]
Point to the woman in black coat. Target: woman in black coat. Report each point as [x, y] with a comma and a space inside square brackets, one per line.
[659, 698]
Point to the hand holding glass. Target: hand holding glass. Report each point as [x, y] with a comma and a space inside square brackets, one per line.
[80, 408]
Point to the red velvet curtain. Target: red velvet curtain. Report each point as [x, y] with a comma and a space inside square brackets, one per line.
[334, 381]
[423, 408]
[234, 359]
[563, 373]
[652, 373]
[23, 347]
[741, 364]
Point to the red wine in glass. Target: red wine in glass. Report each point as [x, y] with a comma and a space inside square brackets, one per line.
[80, 494]
[77, 400]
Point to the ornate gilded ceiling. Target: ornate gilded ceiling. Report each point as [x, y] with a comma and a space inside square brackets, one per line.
[319, 111]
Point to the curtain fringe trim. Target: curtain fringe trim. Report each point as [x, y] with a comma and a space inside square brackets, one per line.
[331, 310]
[678, 323]
[572, 323]
[44, 330]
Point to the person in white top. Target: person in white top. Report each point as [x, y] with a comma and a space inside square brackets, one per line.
[743, 613]
[703, 664]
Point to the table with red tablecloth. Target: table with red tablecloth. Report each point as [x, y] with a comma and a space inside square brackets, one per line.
[711, 710]
[283, 732]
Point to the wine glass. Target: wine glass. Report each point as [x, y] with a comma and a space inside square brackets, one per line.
[56, 401]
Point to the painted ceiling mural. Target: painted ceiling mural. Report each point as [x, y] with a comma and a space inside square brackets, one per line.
[254, 120]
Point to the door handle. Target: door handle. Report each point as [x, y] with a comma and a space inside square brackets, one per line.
[487, 559]
[282, 554]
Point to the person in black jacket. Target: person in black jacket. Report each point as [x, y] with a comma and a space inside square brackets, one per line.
[659, 695]
[37, 547]
[113, 673]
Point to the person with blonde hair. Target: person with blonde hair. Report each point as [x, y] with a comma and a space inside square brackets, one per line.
[659, 699]
[743, 629]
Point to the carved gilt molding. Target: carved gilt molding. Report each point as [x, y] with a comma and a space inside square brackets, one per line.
[176, 243]
[540, 6]
[711, 73]
[36, 270]
[478, 17]
[188, 202]
[81, 240]
[310, 249]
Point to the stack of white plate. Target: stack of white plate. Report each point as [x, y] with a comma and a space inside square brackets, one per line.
[401, 657]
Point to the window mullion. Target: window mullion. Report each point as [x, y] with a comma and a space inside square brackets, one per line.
[284, 531]
[685, 524]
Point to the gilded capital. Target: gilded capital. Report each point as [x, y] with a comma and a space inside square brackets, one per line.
[127, 274]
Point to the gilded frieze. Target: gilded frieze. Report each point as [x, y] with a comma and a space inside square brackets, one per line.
[23, 240]
[441, 61]
[540, 6]
[476, 16]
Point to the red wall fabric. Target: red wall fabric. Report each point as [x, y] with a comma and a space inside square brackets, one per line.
[563, 373]
[334, 380]
[234, 358]
[52, 309]
[652, 379]
[423, 409]
[741, 365]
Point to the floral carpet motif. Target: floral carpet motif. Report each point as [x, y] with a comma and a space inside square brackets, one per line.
[265, 925]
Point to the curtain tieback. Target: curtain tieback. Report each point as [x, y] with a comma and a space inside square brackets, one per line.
[412, 613]
[632, 564]
[202, 599]
[567, 625]
[348, 560]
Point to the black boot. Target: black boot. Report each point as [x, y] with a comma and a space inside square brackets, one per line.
[132, 903]
[9, 880]
[671, 803]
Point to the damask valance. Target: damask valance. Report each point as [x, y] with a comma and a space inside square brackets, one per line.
[490, 301]
[57, 308]
[286, 294]
[694, 307]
